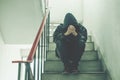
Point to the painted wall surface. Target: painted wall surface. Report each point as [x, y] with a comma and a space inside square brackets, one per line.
[19, 23]
[20, 20]
[58, 9]
[1, 39]
[9, 70]
[102, 17]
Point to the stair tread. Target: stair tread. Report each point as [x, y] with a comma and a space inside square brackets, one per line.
[47, 76]
[84, 66]
[90, 72]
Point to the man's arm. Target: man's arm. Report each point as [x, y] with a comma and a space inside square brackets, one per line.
[83, 34]
[57, 35]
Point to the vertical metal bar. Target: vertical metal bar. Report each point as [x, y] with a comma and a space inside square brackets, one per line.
[48, 31]
[42, 53]
[38, 61]
[45, 43]
[34, 68]
[19, 71]
[28, 70]
[42, 46]
[41, 57]
[47, 34]
[25, 72]
[29, 75]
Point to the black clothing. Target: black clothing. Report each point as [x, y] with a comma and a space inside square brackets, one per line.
[70, 48]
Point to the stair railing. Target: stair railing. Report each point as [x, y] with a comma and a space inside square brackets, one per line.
[34, 64]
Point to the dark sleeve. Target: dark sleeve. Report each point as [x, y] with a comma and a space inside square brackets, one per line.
[58, 33]
[82, 34]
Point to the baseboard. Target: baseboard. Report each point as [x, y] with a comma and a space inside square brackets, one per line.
[101, 58]
[108, 75]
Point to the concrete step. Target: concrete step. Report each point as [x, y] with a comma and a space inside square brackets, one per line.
[87, 55]
[84, 66]
[88, 40]
[89, 46]
[86, 76]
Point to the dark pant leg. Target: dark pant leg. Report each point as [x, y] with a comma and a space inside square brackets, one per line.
[77, 54]
[62, 51]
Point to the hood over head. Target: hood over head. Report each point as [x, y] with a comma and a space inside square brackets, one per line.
[70, 20]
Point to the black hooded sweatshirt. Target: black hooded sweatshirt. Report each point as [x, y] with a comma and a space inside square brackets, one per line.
[70, 44]
[62, 28]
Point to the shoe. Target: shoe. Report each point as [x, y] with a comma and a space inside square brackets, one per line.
[66, 72]
[66, 69]
[75, 71]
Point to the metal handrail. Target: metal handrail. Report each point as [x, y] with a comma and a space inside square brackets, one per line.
[36, 41]
[39, 48]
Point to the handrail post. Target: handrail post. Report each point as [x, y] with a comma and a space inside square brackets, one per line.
[48, 29]
[38, 60]
[19, 71]
[34, 68]
[25, 73]
[42, 55]
[47, 33]
[28, 72]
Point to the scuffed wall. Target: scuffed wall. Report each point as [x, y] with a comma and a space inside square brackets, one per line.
[102, 19]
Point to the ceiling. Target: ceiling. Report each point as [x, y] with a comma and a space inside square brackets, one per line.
[20, 20]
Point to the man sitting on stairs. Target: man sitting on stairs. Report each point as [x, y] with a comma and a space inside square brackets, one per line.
[70, 39]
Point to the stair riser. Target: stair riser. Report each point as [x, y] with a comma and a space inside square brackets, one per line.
[89, 46]
[89, 55]
[88, 40]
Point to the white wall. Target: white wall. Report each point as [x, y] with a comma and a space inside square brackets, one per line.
[102, 17]
[19, 23]
[20, 20]
[58, 9]
[8, 53]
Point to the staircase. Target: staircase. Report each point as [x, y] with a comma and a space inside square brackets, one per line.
[90, 66]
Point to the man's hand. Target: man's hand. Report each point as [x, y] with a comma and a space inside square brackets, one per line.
[71, 30]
